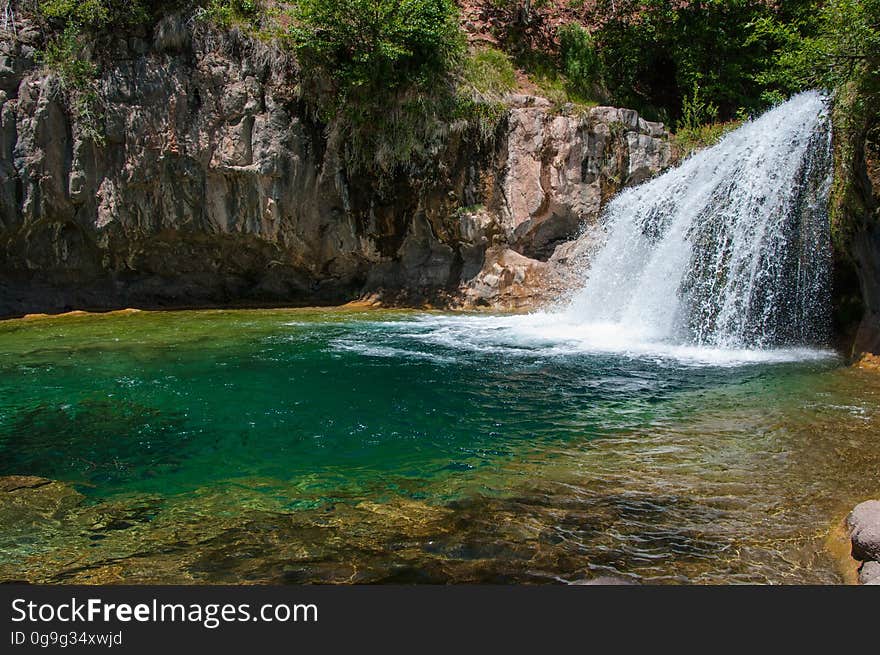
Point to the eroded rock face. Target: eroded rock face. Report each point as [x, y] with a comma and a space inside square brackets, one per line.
[560, 169]
[214, 185]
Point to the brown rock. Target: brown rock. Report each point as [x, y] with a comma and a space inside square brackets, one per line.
[27, 498]
[869, 571]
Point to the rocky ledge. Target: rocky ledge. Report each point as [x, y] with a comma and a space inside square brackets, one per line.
[863, 527]
[212, 184]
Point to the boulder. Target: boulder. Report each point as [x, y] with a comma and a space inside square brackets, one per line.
[869, 571]
[863, 524]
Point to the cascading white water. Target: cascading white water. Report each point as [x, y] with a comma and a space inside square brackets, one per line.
[731, 249]
[723, 261]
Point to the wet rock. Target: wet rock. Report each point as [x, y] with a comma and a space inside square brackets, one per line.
[863, 524]
[869, 571]
[561, 169]
[512, 281]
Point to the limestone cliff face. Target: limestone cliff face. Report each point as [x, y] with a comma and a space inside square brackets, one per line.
[214, 185]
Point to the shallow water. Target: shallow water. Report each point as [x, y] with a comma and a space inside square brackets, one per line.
[372, 446]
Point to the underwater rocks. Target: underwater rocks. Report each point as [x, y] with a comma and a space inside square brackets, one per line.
[863, 525]
[604, 581]
[25, 498]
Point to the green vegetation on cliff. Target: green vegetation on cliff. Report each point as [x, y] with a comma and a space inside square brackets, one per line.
[389, 77]
[379, 72]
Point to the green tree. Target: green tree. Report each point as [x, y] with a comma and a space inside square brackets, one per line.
[368, 48]
[380, 72]
[653, 52]
[581, 63]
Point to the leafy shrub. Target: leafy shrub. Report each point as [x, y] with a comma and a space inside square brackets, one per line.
[689, 140]
[93, 14]
[580, 61]
[63, 55]
[367, 48]
[696, 111]
[229, 13]
[380, 72]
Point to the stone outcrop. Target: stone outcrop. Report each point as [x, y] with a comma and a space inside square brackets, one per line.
[213, 184]
[855, 206]
[863, 524]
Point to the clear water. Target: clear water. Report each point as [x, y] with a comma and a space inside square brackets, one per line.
[334, 445]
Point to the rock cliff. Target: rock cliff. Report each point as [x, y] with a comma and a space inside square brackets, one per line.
[213, 184]
[855, 213]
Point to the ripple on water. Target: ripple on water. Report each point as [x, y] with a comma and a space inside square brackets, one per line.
[378, 447]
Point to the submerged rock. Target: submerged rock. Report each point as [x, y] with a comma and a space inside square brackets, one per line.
[863, 524]
[604, 581]
[25, 498]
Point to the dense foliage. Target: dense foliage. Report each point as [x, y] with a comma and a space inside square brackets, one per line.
[653, 53]
[368, 48]
[580, 62]
[229, 13]
[384, 72]
[381, 72]
[845, 55]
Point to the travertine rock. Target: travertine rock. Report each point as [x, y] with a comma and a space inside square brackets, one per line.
[214, 185]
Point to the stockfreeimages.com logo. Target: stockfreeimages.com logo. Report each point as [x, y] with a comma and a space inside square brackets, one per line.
[208, 615]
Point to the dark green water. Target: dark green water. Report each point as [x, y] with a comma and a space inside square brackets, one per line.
[307, 445]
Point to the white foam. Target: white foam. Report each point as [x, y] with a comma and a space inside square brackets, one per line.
[369, 348]
[558, 335]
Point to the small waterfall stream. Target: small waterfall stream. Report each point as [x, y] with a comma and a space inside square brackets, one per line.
[732, 248]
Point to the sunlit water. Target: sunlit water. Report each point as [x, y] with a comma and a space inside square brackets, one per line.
[344, 446]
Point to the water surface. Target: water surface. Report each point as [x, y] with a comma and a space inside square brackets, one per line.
[373, 446]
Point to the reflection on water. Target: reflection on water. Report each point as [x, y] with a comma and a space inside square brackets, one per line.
[298, 446]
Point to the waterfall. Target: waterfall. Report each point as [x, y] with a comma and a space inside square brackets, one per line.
[731, 249]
